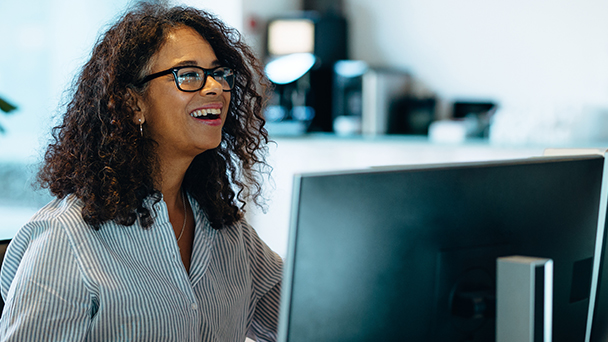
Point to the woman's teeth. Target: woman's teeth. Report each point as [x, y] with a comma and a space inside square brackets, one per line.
[205, 112]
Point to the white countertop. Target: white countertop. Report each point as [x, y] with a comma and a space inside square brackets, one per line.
[312, 153]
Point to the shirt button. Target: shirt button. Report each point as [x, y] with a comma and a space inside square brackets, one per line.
[193, 306]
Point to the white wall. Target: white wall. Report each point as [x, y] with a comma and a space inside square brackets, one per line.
[514, 51]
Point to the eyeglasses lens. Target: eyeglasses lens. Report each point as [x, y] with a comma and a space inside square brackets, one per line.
[193, 79]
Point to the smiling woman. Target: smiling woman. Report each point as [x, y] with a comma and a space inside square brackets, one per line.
[160, 146]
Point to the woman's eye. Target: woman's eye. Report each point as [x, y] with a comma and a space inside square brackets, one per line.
[218, 73]
[190, 75]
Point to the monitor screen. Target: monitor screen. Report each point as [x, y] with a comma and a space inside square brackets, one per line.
[383, 254]
[287, 36]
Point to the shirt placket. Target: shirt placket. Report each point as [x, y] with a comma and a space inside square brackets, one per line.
[179, 274]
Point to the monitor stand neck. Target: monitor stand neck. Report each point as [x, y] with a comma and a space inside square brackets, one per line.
[524, 299]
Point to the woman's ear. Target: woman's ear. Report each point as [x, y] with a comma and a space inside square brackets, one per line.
[137, 105]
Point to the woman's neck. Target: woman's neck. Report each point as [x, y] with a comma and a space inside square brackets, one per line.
[170, 182]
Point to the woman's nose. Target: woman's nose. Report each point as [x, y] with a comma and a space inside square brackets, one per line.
[212, 87]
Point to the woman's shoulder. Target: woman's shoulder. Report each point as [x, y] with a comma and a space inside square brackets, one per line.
[56, 217]
[58, 209]
[256, 247]
[42, 240]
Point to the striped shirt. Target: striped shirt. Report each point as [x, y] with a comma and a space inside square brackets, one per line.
[63, 281]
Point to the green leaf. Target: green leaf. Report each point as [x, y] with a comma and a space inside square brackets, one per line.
[6, 107]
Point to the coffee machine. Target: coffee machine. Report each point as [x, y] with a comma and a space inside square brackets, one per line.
[302, 49]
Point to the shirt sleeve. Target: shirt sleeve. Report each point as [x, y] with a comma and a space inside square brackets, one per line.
[264, 327]
[47, 299]
[267, 272]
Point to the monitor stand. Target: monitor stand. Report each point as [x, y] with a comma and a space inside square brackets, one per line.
[524, 299]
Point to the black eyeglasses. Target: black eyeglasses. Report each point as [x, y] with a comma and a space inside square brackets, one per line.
[193, 78]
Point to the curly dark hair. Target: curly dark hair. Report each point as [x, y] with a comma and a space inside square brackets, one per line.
[98, 154]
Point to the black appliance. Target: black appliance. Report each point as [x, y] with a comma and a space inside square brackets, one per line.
[305, 46]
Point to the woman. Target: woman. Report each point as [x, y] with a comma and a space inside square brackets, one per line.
[159, 149]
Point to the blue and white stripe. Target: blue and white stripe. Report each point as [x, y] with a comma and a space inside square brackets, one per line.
[63, 281]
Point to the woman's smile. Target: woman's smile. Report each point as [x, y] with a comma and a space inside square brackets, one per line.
[209, 114]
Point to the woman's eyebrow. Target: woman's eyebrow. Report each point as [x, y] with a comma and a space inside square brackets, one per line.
[214, 64]
[186, 63]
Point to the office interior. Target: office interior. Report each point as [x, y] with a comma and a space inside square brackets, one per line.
[480, 80]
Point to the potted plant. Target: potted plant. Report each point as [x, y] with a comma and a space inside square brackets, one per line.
[6, 108]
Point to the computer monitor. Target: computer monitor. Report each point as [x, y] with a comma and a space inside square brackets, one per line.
[599, 331]
[383, 254]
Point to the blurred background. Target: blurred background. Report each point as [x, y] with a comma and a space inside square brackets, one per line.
[357, 84]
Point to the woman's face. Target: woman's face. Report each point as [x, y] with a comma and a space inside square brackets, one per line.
[176, 119]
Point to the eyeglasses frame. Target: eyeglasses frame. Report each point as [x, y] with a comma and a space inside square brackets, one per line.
[207, 72]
